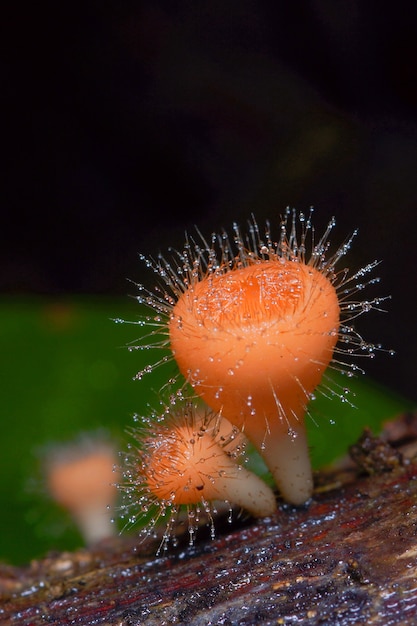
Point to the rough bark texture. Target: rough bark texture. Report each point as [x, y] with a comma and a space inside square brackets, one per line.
[350, 557]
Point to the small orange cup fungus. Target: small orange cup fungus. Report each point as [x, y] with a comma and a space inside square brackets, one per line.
[254, 324]
[80, 478]
[188, 461]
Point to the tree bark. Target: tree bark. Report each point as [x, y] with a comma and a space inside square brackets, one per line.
[349, 557]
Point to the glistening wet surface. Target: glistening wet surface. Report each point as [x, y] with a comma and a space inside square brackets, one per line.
[347, 558]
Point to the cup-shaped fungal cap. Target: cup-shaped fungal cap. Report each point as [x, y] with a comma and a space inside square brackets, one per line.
[254, 343]
[187, 460]
[80, 478]
[253, 322]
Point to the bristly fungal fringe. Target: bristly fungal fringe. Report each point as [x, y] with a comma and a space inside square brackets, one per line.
[253, 323]
[181, 467]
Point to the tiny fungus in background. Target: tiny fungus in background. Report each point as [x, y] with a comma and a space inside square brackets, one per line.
[254, 322]
[188, 459]
[80, 477]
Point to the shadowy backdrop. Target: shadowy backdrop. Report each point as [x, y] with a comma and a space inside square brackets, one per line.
[127, 123]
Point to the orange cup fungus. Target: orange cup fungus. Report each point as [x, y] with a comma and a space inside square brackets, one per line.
[254, 343]
[80, 477]
[190, 460]
[254, 324]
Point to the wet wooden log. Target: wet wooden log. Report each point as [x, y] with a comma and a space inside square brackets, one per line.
[349, 557]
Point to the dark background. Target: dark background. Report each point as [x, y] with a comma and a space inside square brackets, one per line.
[125, 124]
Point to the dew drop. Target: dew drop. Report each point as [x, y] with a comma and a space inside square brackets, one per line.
[292, 434]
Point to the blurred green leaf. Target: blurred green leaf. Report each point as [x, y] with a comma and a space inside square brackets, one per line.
[66, 370]
[335, 424]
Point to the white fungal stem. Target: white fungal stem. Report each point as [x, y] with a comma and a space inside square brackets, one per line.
[94, 522]
[245, 489]
[287, 457]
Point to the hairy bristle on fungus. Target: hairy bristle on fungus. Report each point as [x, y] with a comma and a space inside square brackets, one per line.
[189, 460]
[254, 324]
[80, 478]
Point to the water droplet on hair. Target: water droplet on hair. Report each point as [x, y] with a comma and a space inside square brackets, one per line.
[292, 434]
[366, 306]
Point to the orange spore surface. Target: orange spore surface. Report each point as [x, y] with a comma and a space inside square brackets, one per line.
[182, 466]
[254, 341]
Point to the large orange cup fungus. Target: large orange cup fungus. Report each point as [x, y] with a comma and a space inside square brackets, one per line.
[254, 323]
[254, 343]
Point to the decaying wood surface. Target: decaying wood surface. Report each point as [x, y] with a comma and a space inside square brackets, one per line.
[350, 557]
